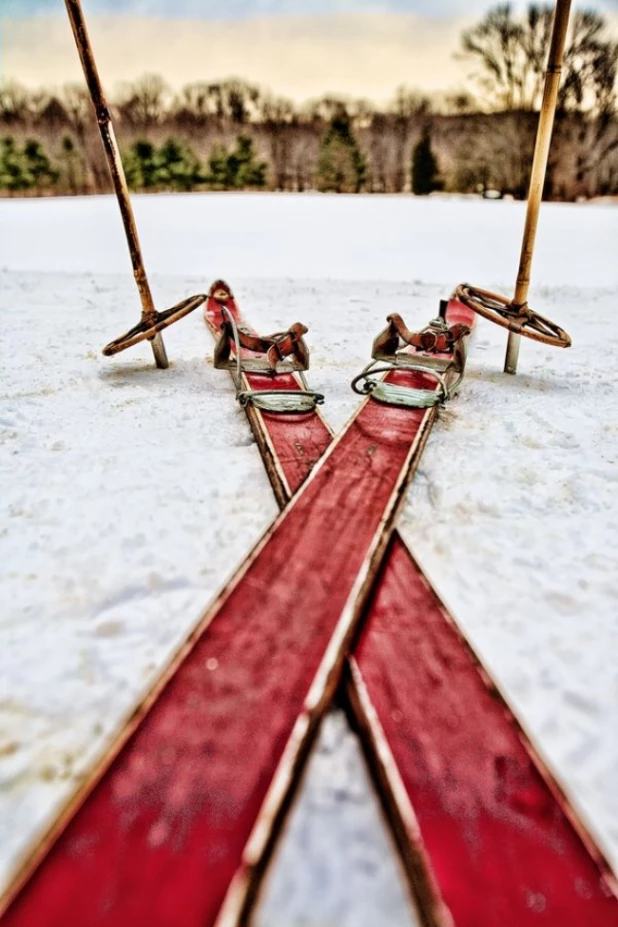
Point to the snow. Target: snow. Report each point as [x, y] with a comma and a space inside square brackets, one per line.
[337, 789]
[129, 494]
[312, 236]
[534, 506]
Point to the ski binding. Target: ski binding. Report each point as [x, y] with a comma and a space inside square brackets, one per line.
[438, 351]
[279, 354]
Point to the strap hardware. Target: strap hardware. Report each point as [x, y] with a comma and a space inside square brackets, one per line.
[282, 352]
[274, 355]
[439, 352]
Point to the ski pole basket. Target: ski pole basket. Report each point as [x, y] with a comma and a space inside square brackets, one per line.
[151, 324]
[521, 320]
[438, 352]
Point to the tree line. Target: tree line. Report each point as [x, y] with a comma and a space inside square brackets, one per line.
[234, 135]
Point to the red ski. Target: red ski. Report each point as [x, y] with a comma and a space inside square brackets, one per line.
[290, 443]
[179, 824]
[498, 840]
[503, 843]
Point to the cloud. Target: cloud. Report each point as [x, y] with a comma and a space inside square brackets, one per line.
[360, 54]
[242, 9]
[357, 54]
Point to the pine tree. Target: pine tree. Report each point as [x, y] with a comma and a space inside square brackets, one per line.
[140, 166]
[341, 166]
[425, 174]
[12, 174]
[249, 173]
[177, 168]
[237, 169]
[24, 168]
[173, 166]
[69, 157]
[38, 166]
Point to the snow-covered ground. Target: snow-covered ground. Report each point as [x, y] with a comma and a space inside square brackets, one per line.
[129, 494]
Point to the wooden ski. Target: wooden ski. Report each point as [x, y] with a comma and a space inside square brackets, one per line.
[178, 827]
[478, 818]
[466, 789]
[290, 443]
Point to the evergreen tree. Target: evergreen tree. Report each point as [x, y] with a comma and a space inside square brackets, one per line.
[37, 165]
[249, 172]
[141, 166]
[173, 166]
[70, 158]
[425, 174]
[12, 174]
[238, 169]
[24, 168]
[341, 166]
[177, 167]
[219, 177]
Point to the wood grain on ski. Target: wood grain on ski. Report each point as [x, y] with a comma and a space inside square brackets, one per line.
[162, 835]
[503, 843]
[489, 831]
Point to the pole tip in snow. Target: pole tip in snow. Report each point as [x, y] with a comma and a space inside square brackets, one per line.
[512, 353]
[149, 328]
[518, 319]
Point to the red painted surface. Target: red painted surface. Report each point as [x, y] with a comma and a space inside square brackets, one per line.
[298, 440]
[501, 848]
[160, 838]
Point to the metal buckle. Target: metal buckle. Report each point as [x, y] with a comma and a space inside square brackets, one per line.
[439, 352]
[281, 353]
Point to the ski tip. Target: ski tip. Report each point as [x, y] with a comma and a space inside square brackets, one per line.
[457, 311]
[220, 291]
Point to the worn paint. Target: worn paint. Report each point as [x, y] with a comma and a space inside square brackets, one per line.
[500, 840]
[161, 836]
[454, 798]
[148, 810]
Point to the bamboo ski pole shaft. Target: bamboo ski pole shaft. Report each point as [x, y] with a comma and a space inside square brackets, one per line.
[539, 168]
[82, 40]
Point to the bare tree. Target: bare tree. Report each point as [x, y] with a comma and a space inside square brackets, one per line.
[14, 102]
[194, 102]
[510, 55]
[409, 109]
[77, 104]
[78, 107]
[277, 116]
[495, 46]
[590, 64]
[143, 103]
[242, 101]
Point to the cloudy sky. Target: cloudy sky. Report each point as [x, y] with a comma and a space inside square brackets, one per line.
[230, 9]
[300, 48]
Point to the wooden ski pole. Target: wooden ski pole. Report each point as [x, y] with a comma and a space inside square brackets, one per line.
[82, 40]
[539, 169]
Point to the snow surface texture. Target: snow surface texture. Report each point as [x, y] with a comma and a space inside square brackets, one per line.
[129, 494]
[336, 801]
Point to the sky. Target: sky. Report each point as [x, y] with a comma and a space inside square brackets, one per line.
[230, 9]
[297, 48]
